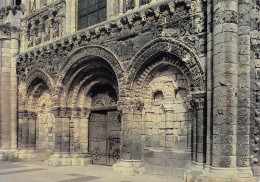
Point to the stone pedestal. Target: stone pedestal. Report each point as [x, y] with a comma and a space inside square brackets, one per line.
[129, 167]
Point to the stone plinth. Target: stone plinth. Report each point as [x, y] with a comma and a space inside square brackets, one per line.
[129, 167]
[8, 155]
[199, 172]
[67, 159]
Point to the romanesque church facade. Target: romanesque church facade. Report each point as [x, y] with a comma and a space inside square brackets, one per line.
[165, 87]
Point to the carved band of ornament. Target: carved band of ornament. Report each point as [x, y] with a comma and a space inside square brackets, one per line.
[125, 22]
[62, 112]
[5, 11]
[32, 115]
[225, 17]
[85, 112]
[6, 30]
[76, 113]
[22, 114]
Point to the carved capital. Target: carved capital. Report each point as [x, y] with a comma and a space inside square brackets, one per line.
[22, 114]
[85, 112]
[32, 115]
[198, 100]
[62, 112]
[76, 112]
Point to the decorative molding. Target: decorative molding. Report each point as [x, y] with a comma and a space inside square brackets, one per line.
[62, 112]
[22, 114]
[6, 31]
[5, 11]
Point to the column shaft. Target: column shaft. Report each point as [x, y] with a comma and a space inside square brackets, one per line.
[225, 60]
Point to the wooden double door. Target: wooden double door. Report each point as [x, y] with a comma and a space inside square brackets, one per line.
[104, 137]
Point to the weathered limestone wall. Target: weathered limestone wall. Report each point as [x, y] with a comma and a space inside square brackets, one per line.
[160, 57]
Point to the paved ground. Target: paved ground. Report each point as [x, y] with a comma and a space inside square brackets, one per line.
[39, 172]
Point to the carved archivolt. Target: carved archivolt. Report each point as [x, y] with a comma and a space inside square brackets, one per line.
[188, 62]
[39, 74]
[90, 52]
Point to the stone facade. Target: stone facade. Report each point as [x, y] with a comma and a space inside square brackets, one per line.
[162, 87]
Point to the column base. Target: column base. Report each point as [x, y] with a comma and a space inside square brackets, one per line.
[9, 155]
[67, 159]
[129, 167]
[198, 172]
[28, 155]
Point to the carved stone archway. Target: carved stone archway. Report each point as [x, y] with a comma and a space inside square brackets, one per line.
[188, 61]
[160, 54]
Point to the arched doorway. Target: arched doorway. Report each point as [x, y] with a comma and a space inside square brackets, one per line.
[91, 83]
[36, 123]
[104, 125]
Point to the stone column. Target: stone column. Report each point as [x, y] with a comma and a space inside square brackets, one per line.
[13, 88]
[121, 6]
[131, 145]
[5, 94]
[243, 128]
[209, 83]
[23, 129]
[8, 120]
[32, 130]
[9, 2]
[110, 8]
[83, 126]
[137, 4]
[225, 78]
[68, 15]
[79, 130]
[199, 128]
[62, 129]
[61, 154]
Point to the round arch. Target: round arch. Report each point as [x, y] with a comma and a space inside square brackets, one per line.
[40, 74]
[80, 59]
[92, 51]
[187, 61]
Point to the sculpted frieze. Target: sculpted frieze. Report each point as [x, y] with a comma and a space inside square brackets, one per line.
[124, 37]
[38, 25]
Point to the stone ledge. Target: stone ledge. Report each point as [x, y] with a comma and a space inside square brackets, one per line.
[129, 167]
[66, 159]
[200, 173]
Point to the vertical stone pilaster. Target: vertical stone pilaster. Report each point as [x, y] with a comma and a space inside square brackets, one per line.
[68, 17]
[5, 93]
[209, 82]
[243, 128]
[13, 89]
